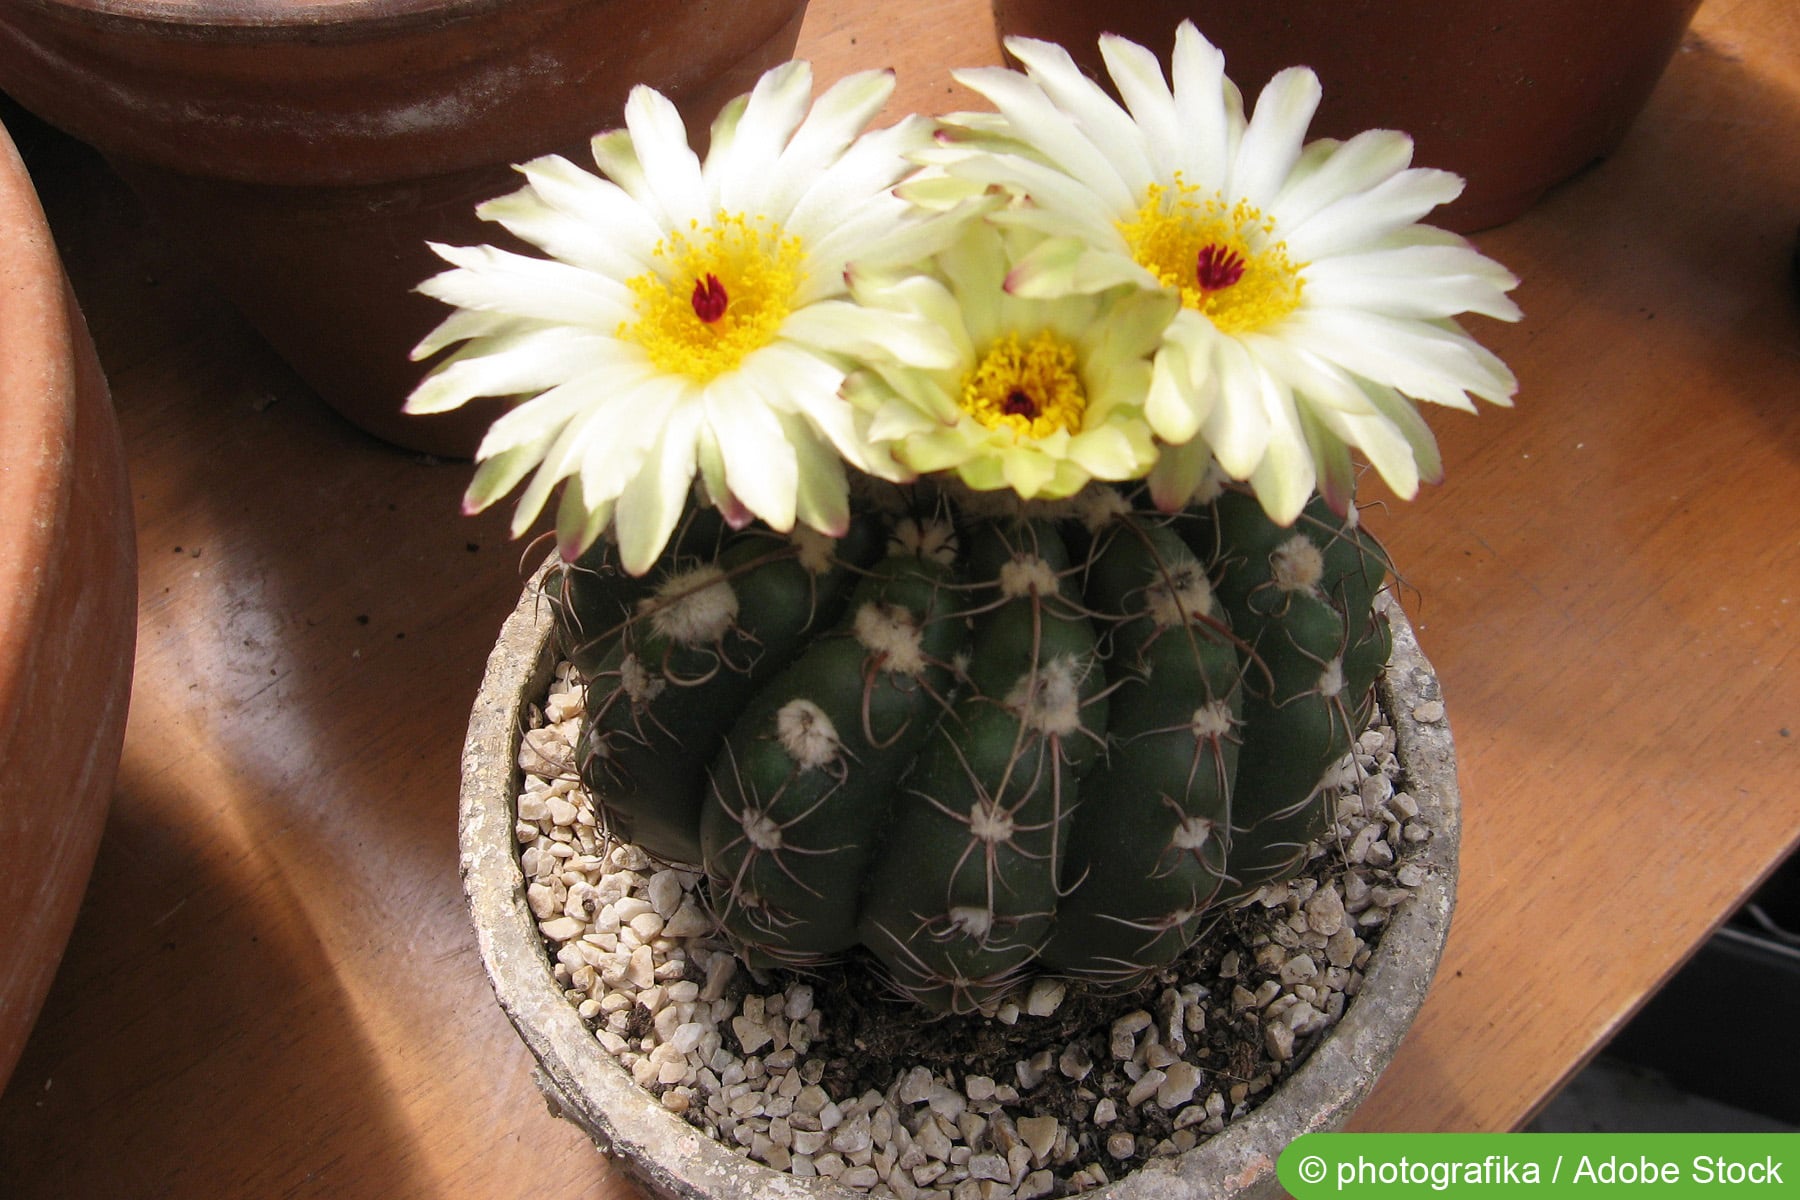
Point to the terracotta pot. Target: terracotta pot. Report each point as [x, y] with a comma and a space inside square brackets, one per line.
[674, 1160]
[68, 605]
[306, 150]
[1514, 96]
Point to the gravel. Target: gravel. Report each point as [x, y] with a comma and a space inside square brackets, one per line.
[635, 952]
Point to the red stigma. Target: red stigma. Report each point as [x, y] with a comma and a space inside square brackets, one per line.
[1019, 403]
[1218, 268]
[709, 298]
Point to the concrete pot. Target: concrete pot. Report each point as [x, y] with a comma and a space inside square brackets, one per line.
[1512, 96]
[68, 606]
[673, 1159]
[306, 150]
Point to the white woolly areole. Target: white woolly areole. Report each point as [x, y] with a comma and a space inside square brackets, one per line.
[1211, 721]
[815, 549]
[807, 734]
[971, 920]
[1331, 681]
[1025, 575]
[639, 684]
[1098, 507]
[1352, 517]
[1297, 565]
[990, 823]
[932, 540]
[763, 832]
[1180, 595]
[694, 607]
[1191, 833]
[1049, 701]
[888, 631]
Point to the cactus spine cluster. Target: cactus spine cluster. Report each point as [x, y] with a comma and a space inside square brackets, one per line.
[979, 746]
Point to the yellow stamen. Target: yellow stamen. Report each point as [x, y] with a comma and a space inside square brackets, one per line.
[726, 289]
[1032, 389]
[1223, 259]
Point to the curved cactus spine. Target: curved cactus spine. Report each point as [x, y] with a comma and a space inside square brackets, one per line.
[684, 664]
[800, 792]
[1148, 851]
[1296, 596]
[959, 913]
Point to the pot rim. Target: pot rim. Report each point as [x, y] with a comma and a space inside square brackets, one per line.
[250, 20]
[671, 1158]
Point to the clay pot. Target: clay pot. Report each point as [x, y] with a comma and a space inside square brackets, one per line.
[675, 1161]
[1512, 96]
[68, 605]
[306, 150]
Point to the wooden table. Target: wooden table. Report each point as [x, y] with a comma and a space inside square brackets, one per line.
[272, 990]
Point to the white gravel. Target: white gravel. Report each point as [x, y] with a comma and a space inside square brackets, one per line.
[634, 952]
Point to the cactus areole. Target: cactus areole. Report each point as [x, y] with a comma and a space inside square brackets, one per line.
[979, 745]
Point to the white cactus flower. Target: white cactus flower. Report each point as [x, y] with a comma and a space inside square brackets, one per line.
[692, 318]
[1315, 309]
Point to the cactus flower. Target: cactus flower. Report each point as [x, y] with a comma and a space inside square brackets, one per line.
[1038, 395]
[691, 319]
[1315, 308]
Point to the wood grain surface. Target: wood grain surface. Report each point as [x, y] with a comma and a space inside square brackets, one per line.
[272, 990]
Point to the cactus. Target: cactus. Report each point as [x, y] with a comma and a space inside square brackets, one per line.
[980, 745]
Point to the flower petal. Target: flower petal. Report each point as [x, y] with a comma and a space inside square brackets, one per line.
[1284, 477]
[761, 468]
[841, 327]
[493, 280]
[1345, 169]
[1364, 218]
[672, 182]
[822, 501]
[1178, 474]
[1425, 361]
[1138, 75]
[1048, 129]
[828, 132]
[1421, 282]
[652, 502]
[1272, 140]
[511, 365]
[1108, 128]
[742, 173]
[1209, 111]
[1067, 266]
[1237, 427]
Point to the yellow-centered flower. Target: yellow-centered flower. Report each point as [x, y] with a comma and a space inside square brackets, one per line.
[1315, 309]
[1039, 397]
[718, 292]
[1222, 259]
[691, 320]
[1033, 389]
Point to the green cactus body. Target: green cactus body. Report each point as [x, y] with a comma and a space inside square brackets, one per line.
[693, 654]
[1149, 847]
[800, 794]
[1294, 596]
[1136, 732]
[984, 814]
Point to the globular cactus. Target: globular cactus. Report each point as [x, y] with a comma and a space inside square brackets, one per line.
[980, 746]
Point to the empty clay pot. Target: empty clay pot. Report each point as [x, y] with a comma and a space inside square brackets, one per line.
[306, 150]
[1514, 97]
[68, 606]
